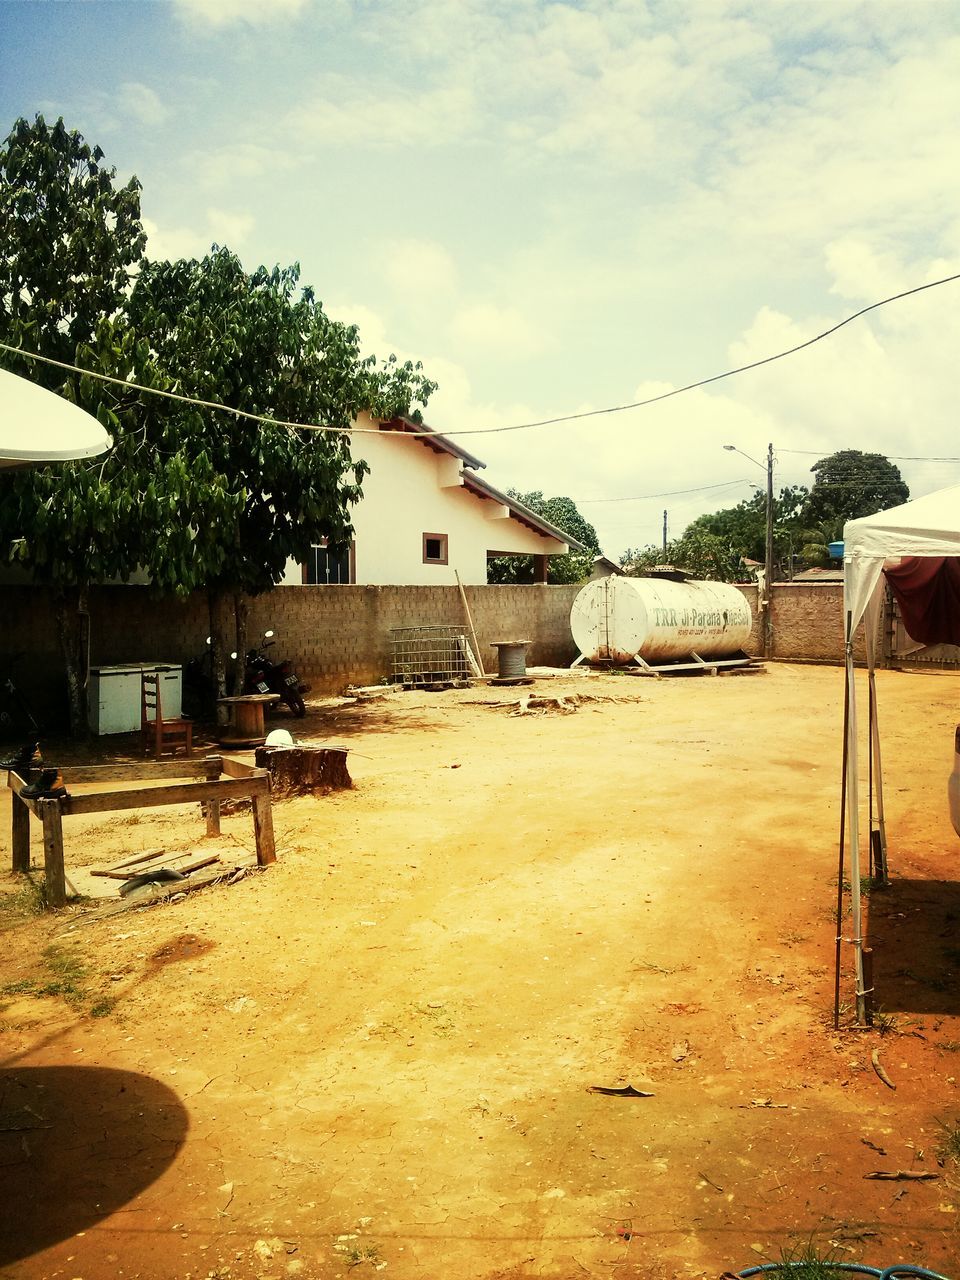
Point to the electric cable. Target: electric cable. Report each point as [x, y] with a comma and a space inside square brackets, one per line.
[481, 431]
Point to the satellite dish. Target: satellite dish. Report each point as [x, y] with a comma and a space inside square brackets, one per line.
[38, 426]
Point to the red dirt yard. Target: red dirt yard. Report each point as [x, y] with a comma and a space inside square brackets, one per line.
[377, 1055]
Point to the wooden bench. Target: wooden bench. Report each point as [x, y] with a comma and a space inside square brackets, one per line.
[240, 782]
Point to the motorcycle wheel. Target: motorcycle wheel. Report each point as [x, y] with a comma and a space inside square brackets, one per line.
[295, 703]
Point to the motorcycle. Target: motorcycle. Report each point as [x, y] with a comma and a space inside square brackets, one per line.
[263, 675]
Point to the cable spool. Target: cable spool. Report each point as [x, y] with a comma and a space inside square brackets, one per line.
[511, 662]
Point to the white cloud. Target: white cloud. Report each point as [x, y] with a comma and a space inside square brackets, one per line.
[224, 13]
[342, 113]
[142, 102]
[502, 329]
[419, 269]
[230, 229]
[220, 227]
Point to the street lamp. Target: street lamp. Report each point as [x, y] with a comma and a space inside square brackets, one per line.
[768, 549]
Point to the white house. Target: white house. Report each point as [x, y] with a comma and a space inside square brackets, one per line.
[426, 515]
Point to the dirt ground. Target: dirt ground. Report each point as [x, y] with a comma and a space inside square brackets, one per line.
[378, 1054]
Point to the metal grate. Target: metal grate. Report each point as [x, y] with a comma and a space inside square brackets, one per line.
[429, 655]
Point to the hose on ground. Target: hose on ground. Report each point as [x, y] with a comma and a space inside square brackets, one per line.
[854, 1268]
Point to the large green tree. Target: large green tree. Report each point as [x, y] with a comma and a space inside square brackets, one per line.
[257, 342]
[199, 498]
[850, 484]
[69, 238]
[561, 512]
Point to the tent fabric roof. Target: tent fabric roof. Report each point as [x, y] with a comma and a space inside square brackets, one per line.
[927, 526]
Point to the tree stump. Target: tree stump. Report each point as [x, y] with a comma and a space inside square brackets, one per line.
[301, 771]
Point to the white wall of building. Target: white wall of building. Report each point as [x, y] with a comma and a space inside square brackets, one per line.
[410, 491]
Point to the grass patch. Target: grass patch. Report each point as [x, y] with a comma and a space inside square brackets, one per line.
[28, 899]
[807, 1262]
[61, 974]
[948, 1151]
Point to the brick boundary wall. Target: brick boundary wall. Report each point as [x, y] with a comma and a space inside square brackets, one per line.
[340, 635]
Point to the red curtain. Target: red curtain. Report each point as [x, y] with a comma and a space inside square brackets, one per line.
[927, 589]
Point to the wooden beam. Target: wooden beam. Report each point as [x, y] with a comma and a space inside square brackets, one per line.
[175, 793]
[236, 768]
[214, 770]
[54, 874]
[19, 834]
[263, 829]
[181, 768]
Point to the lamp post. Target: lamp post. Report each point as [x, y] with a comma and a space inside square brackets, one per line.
[768, 548]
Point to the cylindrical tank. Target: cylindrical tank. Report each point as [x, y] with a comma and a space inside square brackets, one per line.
[617, 618]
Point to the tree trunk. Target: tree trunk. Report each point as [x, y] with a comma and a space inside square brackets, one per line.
[299, 771]
[73, 632]
[240, 610]
[218, 654]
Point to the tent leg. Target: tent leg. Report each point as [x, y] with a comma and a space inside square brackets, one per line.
[853, 809]
[843, 815]
[880, 835]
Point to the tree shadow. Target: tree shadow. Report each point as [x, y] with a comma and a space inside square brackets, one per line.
[77, 1143]
[914, 929]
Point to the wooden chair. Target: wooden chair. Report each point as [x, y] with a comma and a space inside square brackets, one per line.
[156, 732]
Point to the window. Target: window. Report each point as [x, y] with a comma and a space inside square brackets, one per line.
[434, 548]
[329, 566]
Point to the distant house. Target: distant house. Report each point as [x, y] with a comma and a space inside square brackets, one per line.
[426, 515]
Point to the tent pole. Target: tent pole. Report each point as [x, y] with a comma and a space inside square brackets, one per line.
[843, 815]
[853, 801]
[871, 712]
[881, 870]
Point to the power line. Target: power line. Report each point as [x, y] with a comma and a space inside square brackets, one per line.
[519, 426]
[893, 457]
[670, 493]
[717, 377]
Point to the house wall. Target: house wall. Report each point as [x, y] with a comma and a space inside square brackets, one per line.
[410, 491]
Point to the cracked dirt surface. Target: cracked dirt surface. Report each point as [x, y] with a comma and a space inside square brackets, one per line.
[377, 1055]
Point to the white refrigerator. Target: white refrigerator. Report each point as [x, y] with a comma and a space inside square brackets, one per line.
[113, 697]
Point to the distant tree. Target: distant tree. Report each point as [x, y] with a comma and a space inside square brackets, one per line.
[575, 566]
[701, 554]
[850, 484]
[70, 236]
[744, 526]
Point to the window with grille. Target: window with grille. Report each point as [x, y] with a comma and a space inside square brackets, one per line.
[329, 566]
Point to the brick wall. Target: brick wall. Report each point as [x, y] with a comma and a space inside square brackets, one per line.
[341, 635]
[808, 622]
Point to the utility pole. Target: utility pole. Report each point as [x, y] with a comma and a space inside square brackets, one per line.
[768, 574]
[664, 530]
[768, 620]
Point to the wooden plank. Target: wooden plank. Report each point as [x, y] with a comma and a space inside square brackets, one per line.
[19, 834]
[263, 830]
[148, 894]
[56, 882]
[145, 770]
[146, 856]
[214, 770]
[16, 785]
[236, 768]
[170, 861]
[176, 793]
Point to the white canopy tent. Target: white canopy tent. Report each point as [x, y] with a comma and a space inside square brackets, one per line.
[925, 527]
[38, 426]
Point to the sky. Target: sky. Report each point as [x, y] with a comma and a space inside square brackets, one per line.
[563, 207]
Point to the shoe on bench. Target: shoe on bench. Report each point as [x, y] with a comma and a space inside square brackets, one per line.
[44, 788]
[24, 757]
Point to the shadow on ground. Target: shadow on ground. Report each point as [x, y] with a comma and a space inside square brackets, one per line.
[77, 1143]
[914, 930]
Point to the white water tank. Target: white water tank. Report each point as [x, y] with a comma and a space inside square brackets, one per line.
[616, 618]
